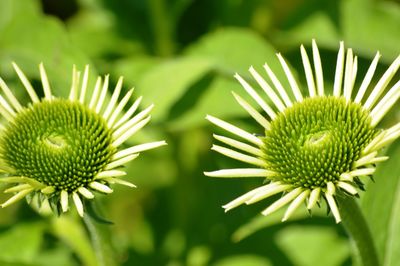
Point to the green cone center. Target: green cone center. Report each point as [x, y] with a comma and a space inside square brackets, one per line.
[315, 141]
[59, 143]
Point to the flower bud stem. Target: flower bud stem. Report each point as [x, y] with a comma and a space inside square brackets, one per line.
[100, 241]
[356, 226]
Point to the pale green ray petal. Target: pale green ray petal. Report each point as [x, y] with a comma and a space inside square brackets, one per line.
[138, 148]
[128, 114]
[86, 193]
[339, 71]
[333, 206]
[95, 93]
[119, 108]
[102, 94]
[239, 156]
[6, 109]
[239, 145]
[385, 104]
[291, 79]
[295, 204]
[263, 104]
[382, 83]
[278, 85]
[47, 190]
[347, 187]
[18, 188]
[252, 112]
[308, 71]
[267, 89]
[10, 96]
[235, 130]
[130, 131]
[112, 180]
[100, 187]
[242, 199]
[365, 159]
[121, 161]
[318, 69]
[75, 84]
[45, 82]
[282, 201]
[114, 98]
[367, 80]
[20, 195]
[358, 172]
[78, 203]
[241, 172]
[348, 76]
[275, 188]
[314, 197]
[84, 84]
[64, 200]
[134, 120]
[27, 84]
[110, 173]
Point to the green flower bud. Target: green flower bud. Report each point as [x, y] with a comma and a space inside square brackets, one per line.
[314, 146]
[59, 150]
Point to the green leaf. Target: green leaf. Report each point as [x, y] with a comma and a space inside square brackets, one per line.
[314, 245]
[166, 83]
[28, 38]
[381, 206]
[261, 222]
[235, 50]
[380, 18]
[243, 260]
[73, 234]
[21, 243]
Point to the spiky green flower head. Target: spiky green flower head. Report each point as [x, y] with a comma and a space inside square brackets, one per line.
[63, 150]
[317, 145]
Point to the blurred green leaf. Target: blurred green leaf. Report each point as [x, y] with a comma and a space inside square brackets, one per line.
[261, 222]
[28, 38]
[73, 234]
[164, 84]
[308, 246]
[381, 206]
[380, 21]
[21, 243]
[243, 260]
[235, 50]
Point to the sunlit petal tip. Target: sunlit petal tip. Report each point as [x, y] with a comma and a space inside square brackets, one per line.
[119, 181]
[110, 173]
[78, 203]
[330, 188]
[48, 190]
[100, 187]
[347, 187]
[333, 207]
[86, 193]
[20, 195]
[313, 198]
[64, 200]
[295, 204]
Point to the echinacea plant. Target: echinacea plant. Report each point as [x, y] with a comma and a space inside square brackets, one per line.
[319, 145]
[60, 150]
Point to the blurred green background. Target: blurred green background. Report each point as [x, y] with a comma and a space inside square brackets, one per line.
[181, 55]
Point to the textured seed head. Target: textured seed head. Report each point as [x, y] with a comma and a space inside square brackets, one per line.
[316, 145]
[315, 141]
[64, 151]
[59, 143]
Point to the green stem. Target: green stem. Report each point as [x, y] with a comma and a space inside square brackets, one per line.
[162, 27]
[356, 226]
[100, 242]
